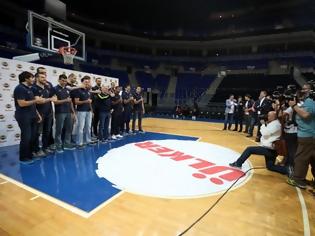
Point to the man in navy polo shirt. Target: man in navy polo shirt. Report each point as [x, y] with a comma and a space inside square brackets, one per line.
[138, 110]
[49, 86]
[44, 107]
[26, 115]
[84, 112]
[64, 113]
[95, 91]
[127, 99]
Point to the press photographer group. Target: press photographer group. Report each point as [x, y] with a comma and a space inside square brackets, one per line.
[285, 122]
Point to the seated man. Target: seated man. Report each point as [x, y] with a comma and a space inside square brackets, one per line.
[270, 133]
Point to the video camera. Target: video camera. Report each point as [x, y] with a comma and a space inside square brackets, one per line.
[285, 95]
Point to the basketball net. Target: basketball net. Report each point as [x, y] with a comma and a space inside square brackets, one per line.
[68, 54]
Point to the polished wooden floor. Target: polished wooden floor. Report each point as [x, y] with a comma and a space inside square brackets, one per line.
[266, 205]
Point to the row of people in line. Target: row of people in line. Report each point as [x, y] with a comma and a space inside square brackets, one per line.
[246, 112]
[61, 116]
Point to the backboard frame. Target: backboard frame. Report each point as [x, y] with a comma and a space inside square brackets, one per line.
[51, 22]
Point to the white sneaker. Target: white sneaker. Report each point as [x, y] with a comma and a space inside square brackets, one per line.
[119, 136]
[114, 137]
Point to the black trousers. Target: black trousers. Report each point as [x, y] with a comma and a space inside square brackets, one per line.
[269, 154]
[126, 117]
[291, 144]
[28, 128]
[45, 129]
[116, 122]
[238, 122]
[95, 121]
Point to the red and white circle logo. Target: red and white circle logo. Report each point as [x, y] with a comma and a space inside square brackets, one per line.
[172, 168]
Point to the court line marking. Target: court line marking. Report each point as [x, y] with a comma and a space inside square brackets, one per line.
[306, 224]
[99, 207]
[47, 197]
[33, 198]
[4, 182]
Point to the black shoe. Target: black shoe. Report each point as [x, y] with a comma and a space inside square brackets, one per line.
[235, 165]
[234, 130]
[296, 183]
[257, 140]
[248, 136]
[224, 129]
[240, 131]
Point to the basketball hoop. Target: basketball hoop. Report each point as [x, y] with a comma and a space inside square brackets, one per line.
[68, 54]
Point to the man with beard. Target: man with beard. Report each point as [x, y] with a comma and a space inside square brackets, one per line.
[95, 91]
[42, 89]
[26, 115]
[127, 100]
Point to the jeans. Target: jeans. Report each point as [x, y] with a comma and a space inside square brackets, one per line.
[228, 119]
[103, 125]
[84, 119]
[28, 128]
[252, 125]
[63, 121]
[44, 128]
[270, 157]
[136, 114]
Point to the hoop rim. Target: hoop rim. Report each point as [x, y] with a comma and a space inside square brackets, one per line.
[65, 50]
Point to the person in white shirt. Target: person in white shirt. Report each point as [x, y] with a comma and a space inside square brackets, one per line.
[270, 132]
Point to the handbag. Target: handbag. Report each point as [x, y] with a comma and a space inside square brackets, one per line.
[280, 145]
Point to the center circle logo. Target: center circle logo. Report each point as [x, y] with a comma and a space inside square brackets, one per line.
[172, 168]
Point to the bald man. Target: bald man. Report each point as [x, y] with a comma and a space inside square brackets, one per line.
[270, 131]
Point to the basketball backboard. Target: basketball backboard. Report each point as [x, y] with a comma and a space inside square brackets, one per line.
[48, 35]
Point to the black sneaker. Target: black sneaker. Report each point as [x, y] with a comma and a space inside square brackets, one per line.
[235, 165]
[296, 183]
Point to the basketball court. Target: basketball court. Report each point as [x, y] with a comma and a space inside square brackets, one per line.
[174, 179]
[70, 193]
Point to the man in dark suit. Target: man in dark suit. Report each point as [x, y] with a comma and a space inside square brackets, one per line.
[248, 112]
[263, 105]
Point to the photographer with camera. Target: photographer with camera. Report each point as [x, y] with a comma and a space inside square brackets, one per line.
[305, 118]
[271, 132]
